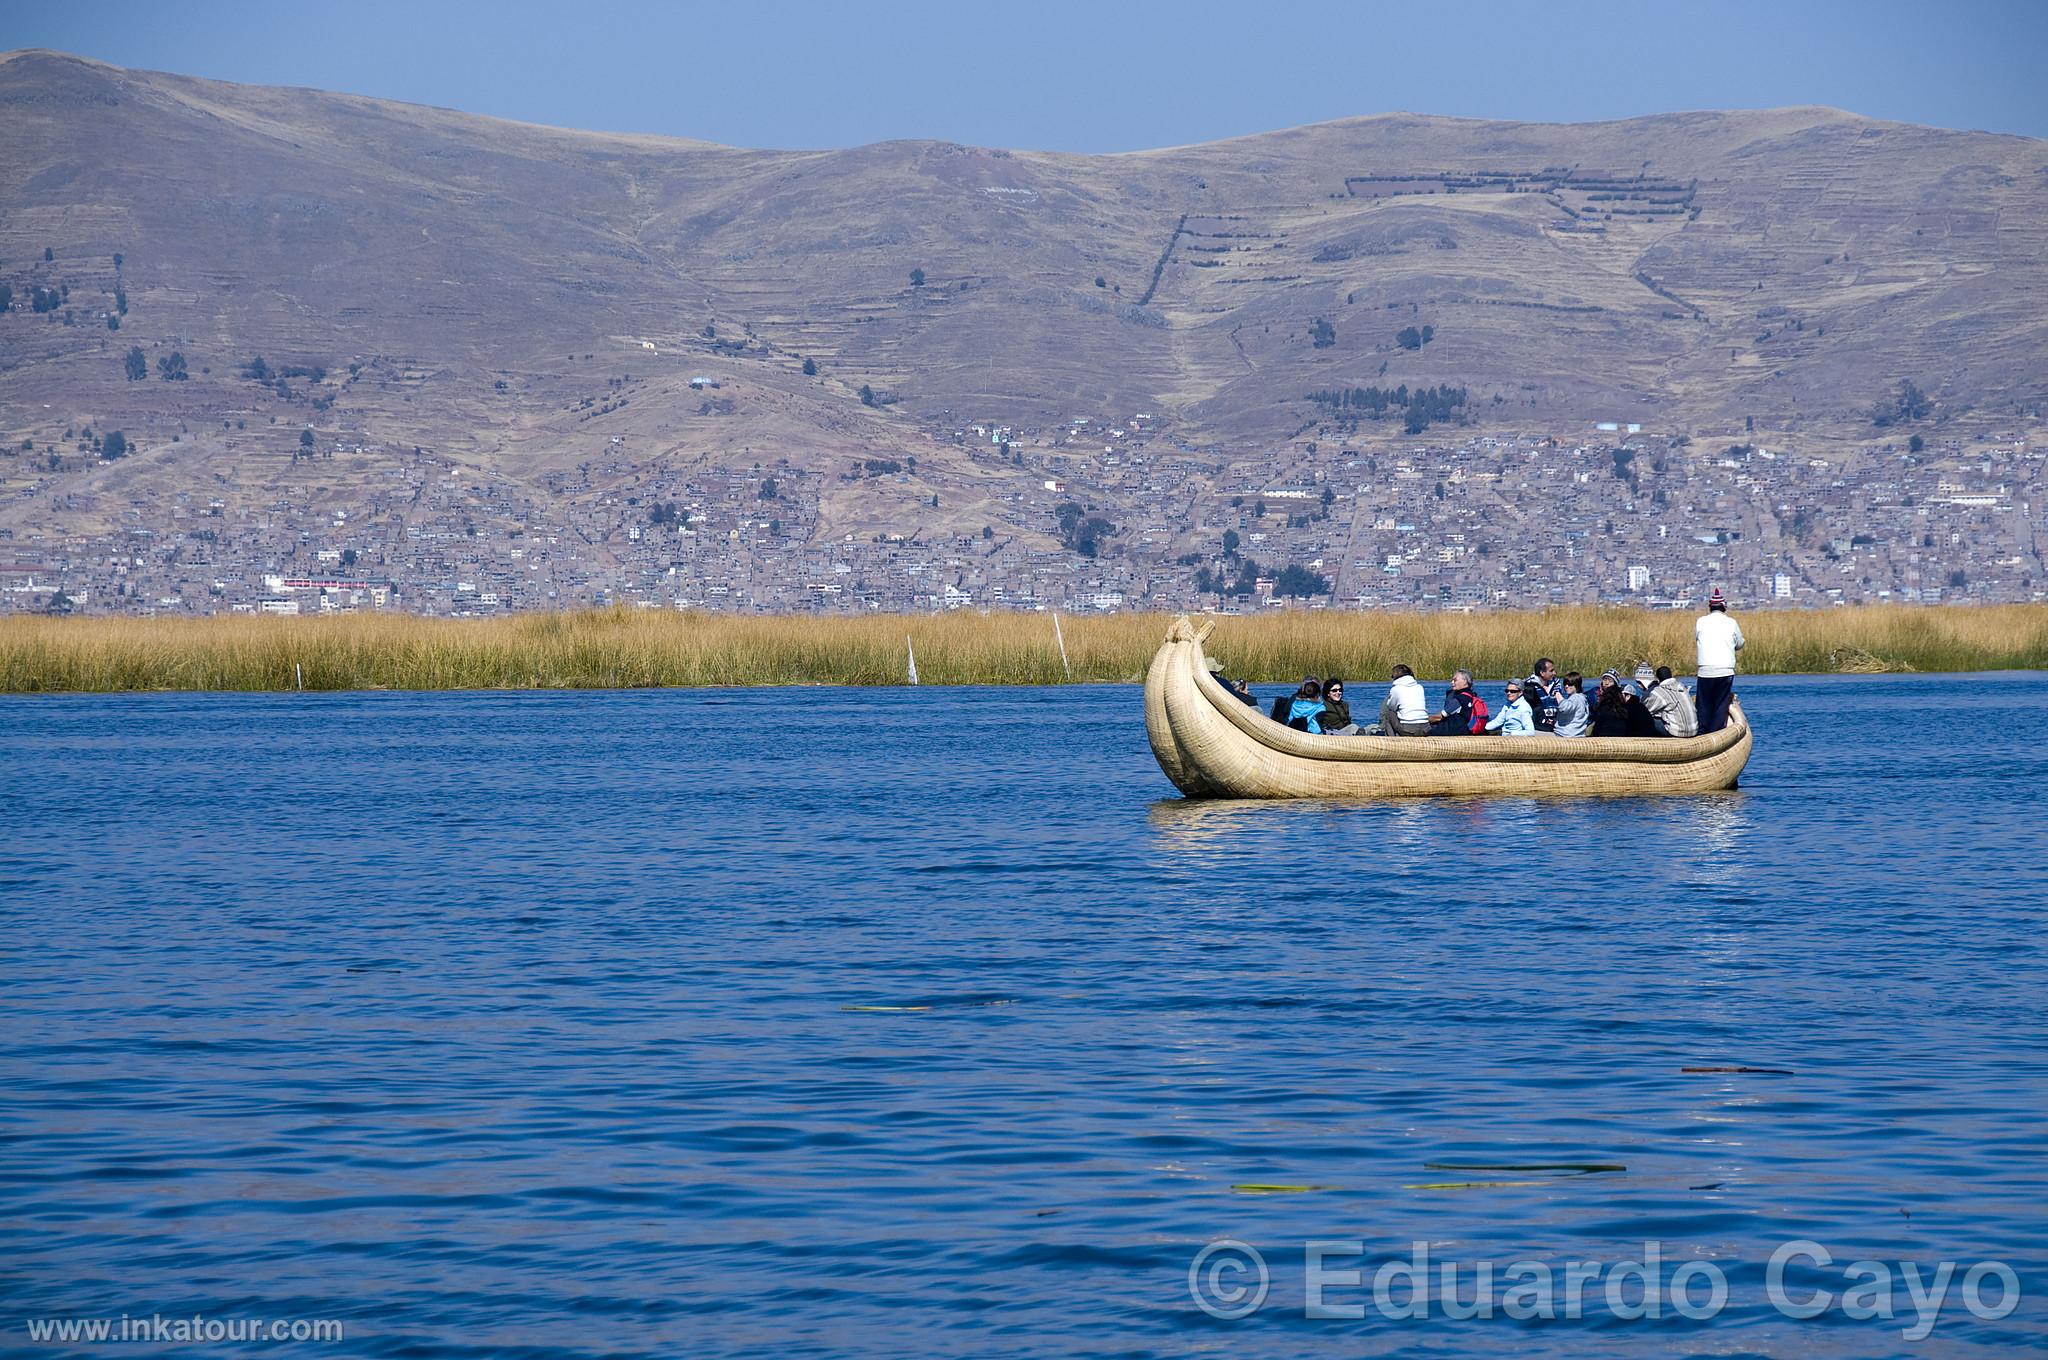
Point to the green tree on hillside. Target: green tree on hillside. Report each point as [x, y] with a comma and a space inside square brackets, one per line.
[135, 365]
[6, 298]
[867, 395]
[810, 368]
[114, 445]
[1908, 403]
[171, 368]
[917, 278]
[1322, 333]
[1300, 583]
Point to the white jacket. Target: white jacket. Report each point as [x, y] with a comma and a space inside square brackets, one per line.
[1718, 638]
[1410, 705]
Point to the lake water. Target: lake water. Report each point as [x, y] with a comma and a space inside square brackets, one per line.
[503, 1024]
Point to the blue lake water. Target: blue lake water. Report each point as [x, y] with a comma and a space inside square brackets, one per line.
[502, 1024]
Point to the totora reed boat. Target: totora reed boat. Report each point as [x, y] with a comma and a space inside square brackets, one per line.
[1213, 745]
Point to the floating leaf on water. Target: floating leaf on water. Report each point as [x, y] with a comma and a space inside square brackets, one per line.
[1474, 1185]
[1747, 1071]
[1710, 1185]
[1254, 1188]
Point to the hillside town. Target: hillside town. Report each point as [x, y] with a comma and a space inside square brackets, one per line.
[1121, 514]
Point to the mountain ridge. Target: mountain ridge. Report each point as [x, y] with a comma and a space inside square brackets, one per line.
[550, 306]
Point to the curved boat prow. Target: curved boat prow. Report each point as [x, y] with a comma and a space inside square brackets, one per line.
[1213, 745]
[1182, 633]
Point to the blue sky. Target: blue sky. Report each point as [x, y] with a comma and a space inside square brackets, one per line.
[1087, 77]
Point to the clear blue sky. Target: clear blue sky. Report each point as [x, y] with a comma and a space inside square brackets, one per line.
[1101, 76]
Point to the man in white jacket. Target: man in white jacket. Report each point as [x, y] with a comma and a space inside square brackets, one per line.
[1718, 639]
[1405, 712]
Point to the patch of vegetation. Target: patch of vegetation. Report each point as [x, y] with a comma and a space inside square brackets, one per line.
[1321, 333]
[171, 368]
[1411, 338]
[1290, 582]
[1082, 531]
[135, 365]
[1419, 408]
[1908, 403]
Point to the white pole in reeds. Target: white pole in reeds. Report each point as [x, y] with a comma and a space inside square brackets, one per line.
[298, 675]
[1061, 638]
[912, 648]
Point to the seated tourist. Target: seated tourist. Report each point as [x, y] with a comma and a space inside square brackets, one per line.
[1279, 710]
[1574, 715]
[1336, 719]
[1618, 713]
[1670, 707]
[1240, 689]
[1306, 708]
[1544, 692]
[1406, 710]
[1516, 718]
[1464, 711]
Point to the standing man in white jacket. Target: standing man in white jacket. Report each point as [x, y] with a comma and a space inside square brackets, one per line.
[1718, 639]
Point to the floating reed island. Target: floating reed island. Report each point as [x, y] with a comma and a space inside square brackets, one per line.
[631, 648]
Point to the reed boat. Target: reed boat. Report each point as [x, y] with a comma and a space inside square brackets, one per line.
[1212, 744]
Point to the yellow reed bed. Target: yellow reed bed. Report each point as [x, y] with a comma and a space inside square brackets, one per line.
[613, 648]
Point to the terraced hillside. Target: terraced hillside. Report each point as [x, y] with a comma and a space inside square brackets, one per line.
[546, 304]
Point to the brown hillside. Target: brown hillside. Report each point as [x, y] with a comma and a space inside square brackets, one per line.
[494, 283]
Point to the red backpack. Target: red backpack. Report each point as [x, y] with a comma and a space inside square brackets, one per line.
[1479, 714]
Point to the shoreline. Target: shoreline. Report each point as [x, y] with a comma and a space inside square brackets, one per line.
[623, 648]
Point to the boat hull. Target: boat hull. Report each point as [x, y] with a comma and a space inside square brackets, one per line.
[1211, 744]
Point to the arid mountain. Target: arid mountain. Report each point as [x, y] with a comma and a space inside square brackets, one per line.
[532, 302]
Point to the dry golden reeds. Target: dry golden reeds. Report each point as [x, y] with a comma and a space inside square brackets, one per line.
[615, 648]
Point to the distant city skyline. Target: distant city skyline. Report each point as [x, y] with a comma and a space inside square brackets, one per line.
[1068, 77]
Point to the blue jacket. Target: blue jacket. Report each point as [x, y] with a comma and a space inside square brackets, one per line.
[1514, 720]
[1310, 709]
